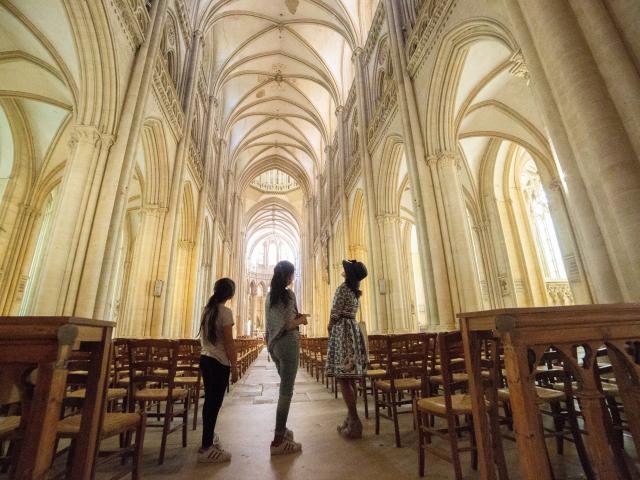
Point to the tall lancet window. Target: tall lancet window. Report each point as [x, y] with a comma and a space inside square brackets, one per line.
[541, 223]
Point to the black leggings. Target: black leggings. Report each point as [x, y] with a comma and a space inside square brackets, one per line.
[216, 378]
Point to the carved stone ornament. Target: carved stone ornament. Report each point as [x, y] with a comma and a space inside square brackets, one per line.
[518, 67]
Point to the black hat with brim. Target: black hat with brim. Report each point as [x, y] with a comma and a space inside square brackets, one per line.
[355, 269]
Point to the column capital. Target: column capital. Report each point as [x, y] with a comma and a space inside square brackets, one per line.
[357, 52]
[198, 35]
[153, 210]
[555, 185]
[339, 109]
[444, 158]
[106, 140]
[518, 66]
[85, 134]
[387, 218]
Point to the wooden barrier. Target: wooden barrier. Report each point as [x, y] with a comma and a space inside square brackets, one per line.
[576, 334]
[46, 343]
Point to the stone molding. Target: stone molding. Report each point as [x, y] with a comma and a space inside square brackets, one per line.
[133, 18]
[518, 66]
[383, 112]
[195, 163]
[374, 33]
[429, 26]
[183, 19]
[166, 91]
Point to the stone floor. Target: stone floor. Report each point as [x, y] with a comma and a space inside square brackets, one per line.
[246, 426]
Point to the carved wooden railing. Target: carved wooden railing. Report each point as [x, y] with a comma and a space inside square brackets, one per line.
[578, 336]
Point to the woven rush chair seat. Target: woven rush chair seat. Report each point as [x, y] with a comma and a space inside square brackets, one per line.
[159, 394]
[112, 394]
[113, 424]
[609, 389]
[401, 384]
[460, 404]
[457, 378]
[8, 425]
[545, 395]
[187, 380]
[376, 372]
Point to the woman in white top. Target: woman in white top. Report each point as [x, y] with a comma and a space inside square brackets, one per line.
[217, 361]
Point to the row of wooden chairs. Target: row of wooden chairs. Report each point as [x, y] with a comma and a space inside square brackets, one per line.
[148, 379]
[425, 375]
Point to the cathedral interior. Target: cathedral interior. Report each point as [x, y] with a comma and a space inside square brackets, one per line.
[476, 155]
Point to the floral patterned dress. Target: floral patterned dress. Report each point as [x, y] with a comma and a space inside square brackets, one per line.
[346, 355]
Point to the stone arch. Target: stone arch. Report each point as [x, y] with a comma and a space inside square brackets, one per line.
[387, 191]
[447, 71]
[156, 164]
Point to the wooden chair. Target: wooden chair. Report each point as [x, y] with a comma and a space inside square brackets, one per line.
[188, 374]
[76, 392]
[449, 406]
[406, 366]
[113, 423]
[377, 360]
[148, 360]
[8, 427]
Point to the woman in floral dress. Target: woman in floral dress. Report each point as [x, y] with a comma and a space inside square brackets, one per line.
[347, 357]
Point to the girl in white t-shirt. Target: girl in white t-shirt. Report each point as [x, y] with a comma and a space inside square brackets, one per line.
[217, 361]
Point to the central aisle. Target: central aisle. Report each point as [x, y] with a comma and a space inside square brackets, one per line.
[246, 426]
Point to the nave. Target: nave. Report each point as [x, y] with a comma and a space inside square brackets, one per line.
[245, 427]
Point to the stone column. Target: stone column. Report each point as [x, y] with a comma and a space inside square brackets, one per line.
[571, 258]
[435, 273]
[344, 204]
[67, 225]
[604, 153]
[114, 190]
[170, 234]
[397, 310]
[378, 308]
[144, 272]
[614, 61]
[205, 192]
[448, 166]
[589, 236]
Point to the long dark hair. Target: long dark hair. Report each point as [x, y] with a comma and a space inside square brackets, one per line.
[223, 290]
[352, 282]
[281, 275]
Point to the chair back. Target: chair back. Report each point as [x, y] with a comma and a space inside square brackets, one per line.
[152, 361]
[407, 358]
[451, 351]
[378, 351]
[119, 361]
[188, 364]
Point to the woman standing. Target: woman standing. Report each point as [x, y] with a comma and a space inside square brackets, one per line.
[346, 356]
[217, 360]
[283, 343]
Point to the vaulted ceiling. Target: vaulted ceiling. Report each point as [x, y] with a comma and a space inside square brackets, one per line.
[280, 69]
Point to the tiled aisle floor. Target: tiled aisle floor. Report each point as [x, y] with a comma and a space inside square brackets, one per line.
[246, 427]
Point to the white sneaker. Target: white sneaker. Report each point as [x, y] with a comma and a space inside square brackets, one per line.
[286, 447]
[216, 440]
[214, 454]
